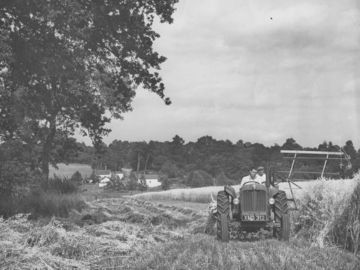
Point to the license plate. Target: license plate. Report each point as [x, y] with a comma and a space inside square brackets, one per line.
[254, 217]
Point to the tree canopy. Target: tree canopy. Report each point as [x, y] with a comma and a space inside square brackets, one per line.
[74, 64]
[223, 161]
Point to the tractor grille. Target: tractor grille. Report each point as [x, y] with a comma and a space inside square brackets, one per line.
[254, 200]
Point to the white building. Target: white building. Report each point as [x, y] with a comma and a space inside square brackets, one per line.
[151, 180]
[104, 182]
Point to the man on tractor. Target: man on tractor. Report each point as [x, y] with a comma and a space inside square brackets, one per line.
[261, 176]
[252, 177]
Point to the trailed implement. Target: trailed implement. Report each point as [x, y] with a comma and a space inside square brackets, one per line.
[322, 157]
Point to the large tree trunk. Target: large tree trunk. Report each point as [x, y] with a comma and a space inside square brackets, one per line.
[45, 155]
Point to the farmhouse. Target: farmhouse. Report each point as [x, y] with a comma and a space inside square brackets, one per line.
[103, 174]
[126, 171]
[151, 180]
[118, 174]
[104, 182]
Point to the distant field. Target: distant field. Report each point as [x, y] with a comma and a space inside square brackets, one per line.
[203, 194]
[68, 170]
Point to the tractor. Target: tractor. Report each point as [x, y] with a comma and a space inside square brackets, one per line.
[256, 207]
[259, 206]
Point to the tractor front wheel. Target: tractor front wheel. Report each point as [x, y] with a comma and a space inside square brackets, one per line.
[281, 216]
[223, 217]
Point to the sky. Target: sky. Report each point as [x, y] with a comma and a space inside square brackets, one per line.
[260, 71]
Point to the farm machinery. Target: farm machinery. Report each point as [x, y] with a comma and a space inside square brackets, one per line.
[266, 207]
[256, 207]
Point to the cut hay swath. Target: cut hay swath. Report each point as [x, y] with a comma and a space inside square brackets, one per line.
[130, 233]
[118, 229]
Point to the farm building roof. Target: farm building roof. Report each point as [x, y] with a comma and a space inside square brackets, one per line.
[149, 176]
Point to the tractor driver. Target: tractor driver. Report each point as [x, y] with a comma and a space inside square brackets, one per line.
[252, 177]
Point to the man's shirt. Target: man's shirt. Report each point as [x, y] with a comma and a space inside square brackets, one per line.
[247, 178]
[261, 178]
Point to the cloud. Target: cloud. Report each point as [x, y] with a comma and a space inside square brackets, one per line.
[255, 70]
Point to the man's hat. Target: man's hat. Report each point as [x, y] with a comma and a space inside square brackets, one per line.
[261, 168]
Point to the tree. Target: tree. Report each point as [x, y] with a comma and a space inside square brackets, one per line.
[291, 144]
[199, 178]
[221, 180]
[165, 184]
[177, 141]
[65, 63]
[76, 178]
[170, 169]
[132, 182]
[323, 147]
[142, 183]
[350, 149]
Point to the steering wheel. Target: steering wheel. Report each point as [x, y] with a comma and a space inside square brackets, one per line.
[253, 181]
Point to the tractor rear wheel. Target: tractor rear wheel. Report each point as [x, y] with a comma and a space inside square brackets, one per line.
[281, 215]
[223, 216]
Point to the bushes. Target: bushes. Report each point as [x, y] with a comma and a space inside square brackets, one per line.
[36, 195]
[59, 185]
[41, 203]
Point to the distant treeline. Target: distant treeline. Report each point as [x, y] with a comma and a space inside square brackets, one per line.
[177, 159]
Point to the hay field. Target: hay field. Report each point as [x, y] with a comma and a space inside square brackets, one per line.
[133, 234]
[203, 194]
[67, 170]
[104, 236]
[128, 233]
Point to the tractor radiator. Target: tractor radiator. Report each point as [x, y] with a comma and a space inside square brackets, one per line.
[253, 201]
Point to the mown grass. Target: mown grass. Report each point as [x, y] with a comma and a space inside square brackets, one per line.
[136, 234]
[123, 228]
[203, 252]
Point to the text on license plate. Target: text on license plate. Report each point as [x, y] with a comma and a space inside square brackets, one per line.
[254, 217]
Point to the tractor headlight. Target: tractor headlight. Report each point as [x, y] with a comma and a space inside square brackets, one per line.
[236, 201]
[271, 201]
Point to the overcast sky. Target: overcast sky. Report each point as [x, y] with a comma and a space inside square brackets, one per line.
[261, 71]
